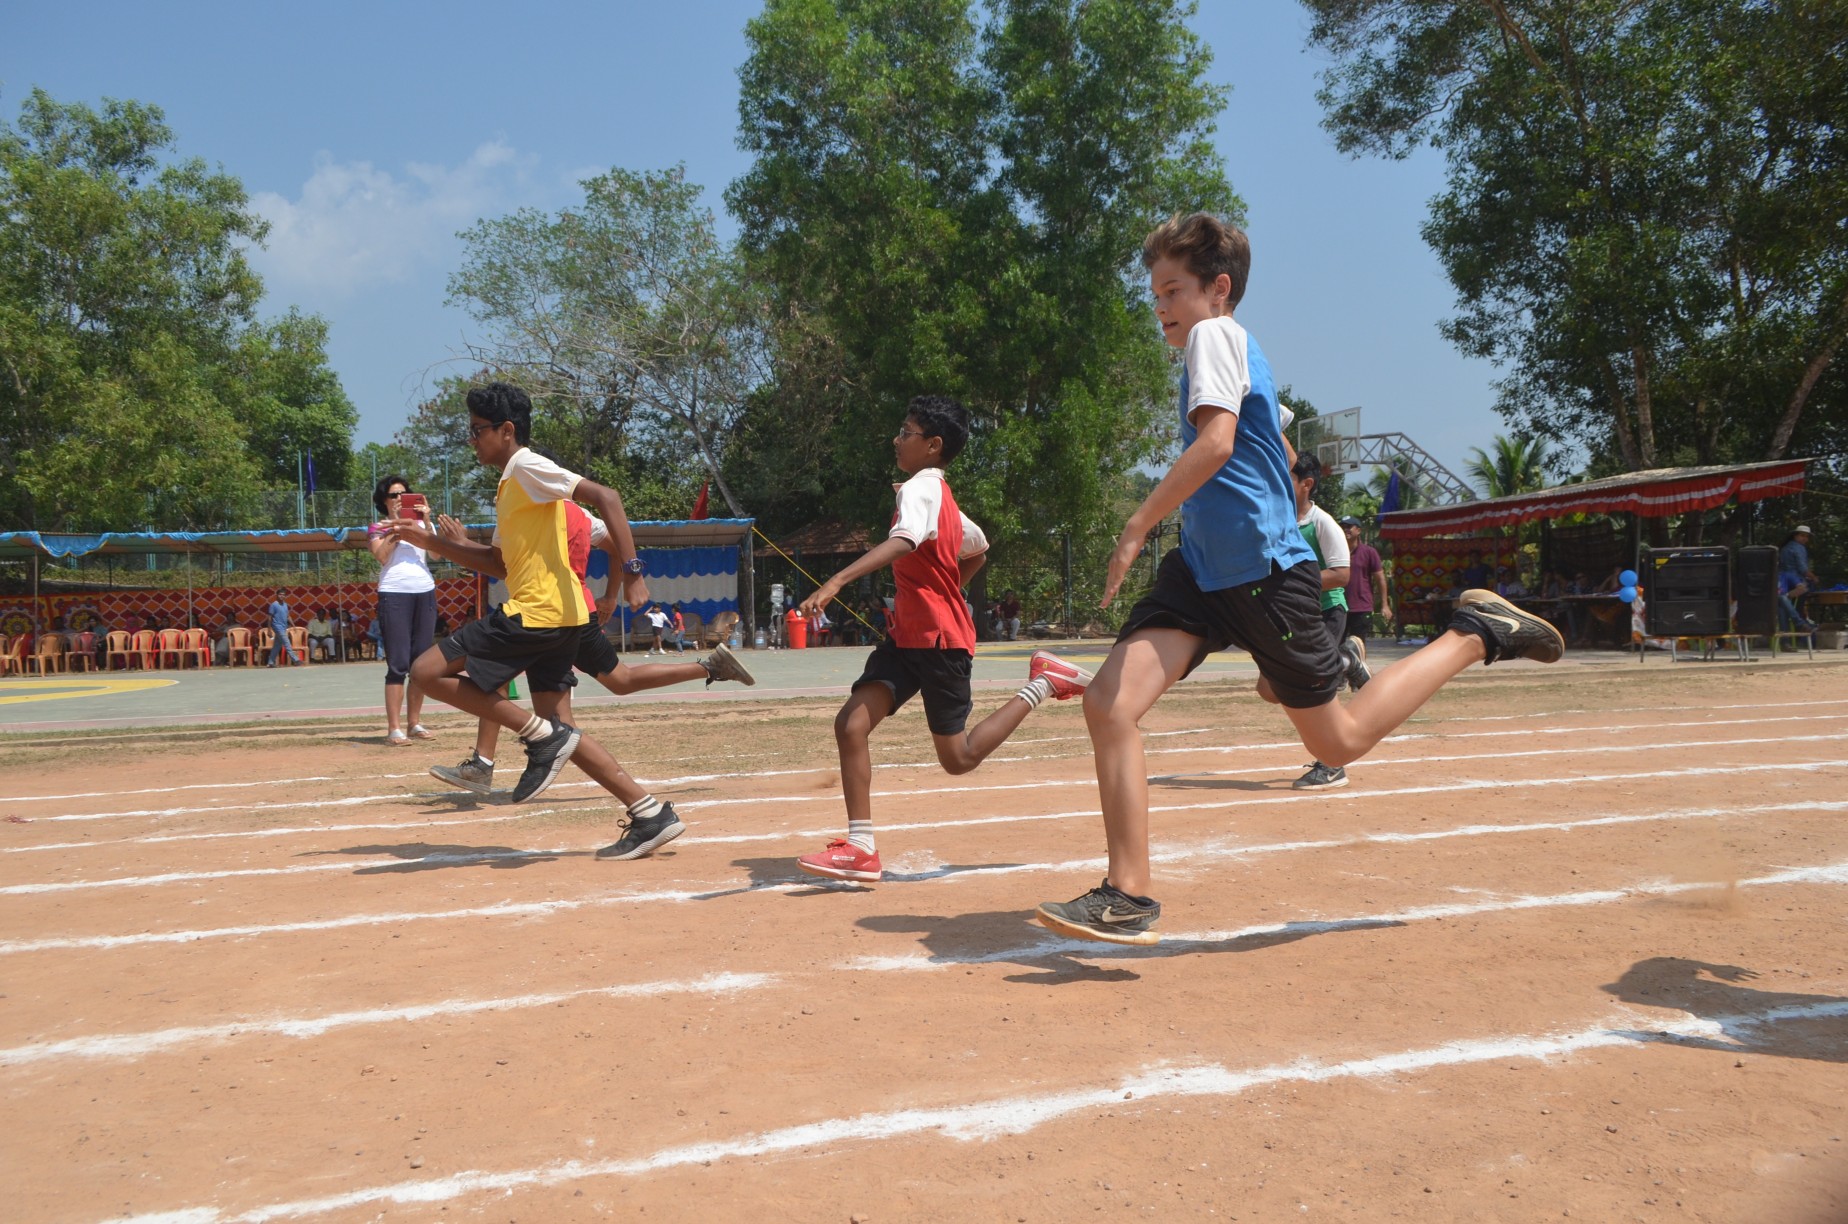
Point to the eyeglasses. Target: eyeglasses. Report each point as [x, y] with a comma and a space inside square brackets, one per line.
[396, 493]
[909, 433]
[475, 431]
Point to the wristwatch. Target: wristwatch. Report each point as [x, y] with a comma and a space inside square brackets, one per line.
[633, 566]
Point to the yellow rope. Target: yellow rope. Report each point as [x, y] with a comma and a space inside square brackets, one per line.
[813, 581]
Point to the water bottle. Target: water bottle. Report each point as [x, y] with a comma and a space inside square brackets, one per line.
[760, 643]
[737, 638]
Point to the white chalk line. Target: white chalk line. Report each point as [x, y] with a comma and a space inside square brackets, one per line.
[771, 773]
[693, 804]
[139, 1045]
[1015, 1115]
[1047, 945]
[1044, 946]
[1201, 856]
[279, 831]
[179, 877]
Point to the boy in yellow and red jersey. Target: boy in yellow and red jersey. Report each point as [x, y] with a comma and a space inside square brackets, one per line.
[538, 630]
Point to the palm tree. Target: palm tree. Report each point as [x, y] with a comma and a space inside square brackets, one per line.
[1517, 465]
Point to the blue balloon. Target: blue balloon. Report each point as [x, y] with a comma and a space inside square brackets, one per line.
[1627, 578]
[1627, 594]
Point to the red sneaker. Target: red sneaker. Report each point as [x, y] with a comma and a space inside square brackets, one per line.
[1066, 680]
[843, 860]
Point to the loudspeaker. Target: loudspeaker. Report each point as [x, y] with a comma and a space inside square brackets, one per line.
[1686, 591]
[1755, 587]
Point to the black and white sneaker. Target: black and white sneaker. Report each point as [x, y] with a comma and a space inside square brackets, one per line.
[1322, 777]
[722, 664]
[1105, 914]
[1354, 654]
[643, 836]
[474, 774]
[544, 759]
[1505, 630]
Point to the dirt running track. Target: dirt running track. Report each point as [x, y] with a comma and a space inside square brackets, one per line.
[1569, 947]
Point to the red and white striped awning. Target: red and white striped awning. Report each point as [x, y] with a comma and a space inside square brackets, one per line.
[1653, 494]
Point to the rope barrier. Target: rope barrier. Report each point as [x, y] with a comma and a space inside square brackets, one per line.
[813, 581]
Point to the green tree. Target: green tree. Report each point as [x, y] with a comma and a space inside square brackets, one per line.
[133, 373]
[941, 203]
[1510, 466]
[1644, 207]
[625, 319]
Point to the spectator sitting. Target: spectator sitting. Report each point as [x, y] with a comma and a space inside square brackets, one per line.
[321, 637]
[1475, 575]
[1007, 616]
[819, 626]
[221, 644]
[1509, 586]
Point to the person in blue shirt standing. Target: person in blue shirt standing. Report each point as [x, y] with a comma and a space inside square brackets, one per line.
[279, 629]
[1795, 578]
[1243, 576]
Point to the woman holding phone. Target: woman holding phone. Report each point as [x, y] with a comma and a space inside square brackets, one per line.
[406, 608]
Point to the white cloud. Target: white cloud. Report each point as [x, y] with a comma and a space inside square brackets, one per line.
[355, 226]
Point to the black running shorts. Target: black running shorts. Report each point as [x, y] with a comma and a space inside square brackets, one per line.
[595, 655]
[498, 648]
[941, 675]
[1278, 619]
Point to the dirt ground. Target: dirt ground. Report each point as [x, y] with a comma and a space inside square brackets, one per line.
[1567, 948]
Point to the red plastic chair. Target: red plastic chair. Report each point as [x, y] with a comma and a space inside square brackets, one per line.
[172, 642]
[198, 647]
[83, 653]
[147, 645]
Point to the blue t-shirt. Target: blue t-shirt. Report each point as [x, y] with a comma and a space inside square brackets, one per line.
[1242, 521]
[279, 615]
[1793, 558]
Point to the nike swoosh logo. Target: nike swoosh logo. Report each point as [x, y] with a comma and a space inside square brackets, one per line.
[1110, 914]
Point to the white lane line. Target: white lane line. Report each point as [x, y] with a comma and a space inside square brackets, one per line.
[1206, 941]
[1045, 946]
[1199, 855]
[694, 804]
[772, 773]
[354, 864]
[279, 831]
[1016, 1115]
[184, 877]
[139, 1045]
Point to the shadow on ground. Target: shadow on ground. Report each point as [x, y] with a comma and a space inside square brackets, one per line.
[1785, 1024]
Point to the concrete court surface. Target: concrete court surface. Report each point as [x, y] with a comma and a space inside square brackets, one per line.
[139, 699]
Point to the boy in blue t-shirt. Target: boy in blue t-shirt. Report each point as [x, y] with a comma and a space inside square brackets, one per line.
[1243, 576]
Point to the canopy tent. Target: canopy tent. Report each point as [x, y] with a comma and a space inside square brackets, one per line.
[1652, 494]
[701, 534]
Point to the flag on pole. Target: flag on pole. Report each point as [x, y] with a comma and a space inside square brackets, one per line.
[699, 507]
[1390, 501]
[310, 458]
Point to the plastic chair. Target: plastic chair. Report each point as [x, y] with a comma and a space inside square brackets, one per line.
[266, 642]
[83, 653]
[115, 646]
[240, 645]
[298, 644]
[49, 652]
[172, 642]
[13, 654]
[147, 645]
[199, 647]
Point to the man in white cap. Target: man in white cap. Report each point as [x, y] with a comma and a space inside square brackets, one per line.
[1795, 578]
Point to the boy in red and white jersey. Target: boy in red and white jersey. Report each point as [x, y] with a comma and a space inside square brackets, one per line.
[933, 549]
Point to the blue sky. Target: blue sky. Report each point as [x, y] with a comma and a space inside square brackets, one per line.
[369, 134]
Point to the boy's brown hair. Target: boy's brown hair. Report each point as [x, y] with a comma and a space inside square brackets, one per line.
[1207, 246]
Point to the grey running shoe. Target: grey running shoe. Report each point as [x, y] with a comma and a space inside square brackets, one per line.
[1354, 651]
[642, 836]
[474, 774]
[1103, 914]
[722, 664]
[1505, 630]
[1322, 777]
[544, 759]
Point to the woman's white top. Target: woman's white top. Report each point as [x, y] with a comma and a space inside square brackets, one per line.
[407, 573]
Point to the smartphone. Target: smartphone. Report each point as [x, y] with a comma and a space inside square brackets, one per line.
[413, 505]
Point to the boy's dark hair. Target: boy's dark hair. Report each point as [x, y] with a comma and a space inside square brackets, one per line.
[1206, 246]
[379, 489]
[939, 416]
[498, 402]
[1307, 466]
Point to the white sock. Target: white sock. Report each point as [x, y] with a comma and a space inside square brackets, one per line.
[488, 761]
[860, 836]
[1035, 691]
[536, 728]
[645, 808]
